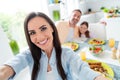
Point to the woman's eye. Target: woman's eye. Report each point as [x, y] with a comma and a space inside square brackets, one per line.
[31, 33]
[43, 28]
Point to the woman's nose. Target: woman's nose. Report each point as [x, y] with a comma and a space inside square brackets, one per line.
[39, 36]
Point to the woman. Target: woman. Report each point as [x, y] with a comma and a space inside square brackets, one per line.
[45, 57]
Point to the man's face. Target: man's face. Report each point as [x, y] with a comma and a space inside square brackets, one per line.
[75, 17]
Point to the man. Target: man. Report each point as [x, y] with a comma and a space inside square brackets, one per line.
[68, 30]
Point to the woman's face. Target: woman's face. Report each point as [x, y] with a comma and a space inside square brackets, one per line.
[83, 28]
[40, 33]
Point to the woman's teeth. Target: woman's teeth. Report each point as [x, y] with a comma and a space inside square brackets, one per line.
[43, 42]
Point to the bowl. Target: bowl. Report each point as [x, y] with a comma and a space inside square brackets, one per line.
[96, 50]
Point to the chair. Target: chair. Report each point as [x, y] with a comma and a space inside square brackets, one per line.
[98, 30]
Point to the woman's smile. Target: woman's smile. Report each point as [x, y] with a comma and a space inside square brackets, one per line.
[43, 42]
[41, 33]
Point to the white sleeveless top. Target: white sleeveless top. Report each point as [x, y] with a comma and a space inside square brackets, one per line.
[70, 35]
[50, 76]
[83, 37]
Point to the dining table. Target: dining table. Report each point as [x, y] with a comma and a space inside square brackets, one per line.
[105, 57]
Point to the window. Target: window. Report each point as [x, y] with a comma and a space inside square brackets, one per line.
[12, 14]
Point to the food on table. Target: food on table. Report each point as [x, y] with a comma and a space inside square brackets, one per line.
[97, 66]
[73, 45]
[111, 42]
[96, 42]
[101, 67]
[96, 50]
[114, 55]
[83, 55]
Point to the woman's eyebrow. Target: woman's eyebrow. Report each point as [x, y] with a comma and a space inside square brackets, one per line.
[42, 26]
[30, 30]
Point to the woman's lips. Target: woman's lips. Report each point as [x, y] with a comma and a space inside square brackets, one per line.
[43, 42]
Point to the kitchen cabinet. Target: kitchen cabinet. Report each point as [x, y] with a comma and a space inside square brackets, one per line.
[54, 10]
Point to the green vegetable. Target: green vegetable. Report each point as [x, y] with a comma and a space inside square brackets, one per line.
[102, 8]
[14, 46]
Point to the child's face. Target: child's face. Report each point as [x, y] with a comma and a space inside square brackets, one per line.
[83, 28]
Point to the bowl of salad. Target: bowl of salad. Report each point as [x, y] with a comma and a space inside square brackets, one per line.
[96, 50]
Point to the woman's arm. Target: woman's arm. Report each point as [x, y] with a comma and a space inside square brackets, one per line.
[6, 72]
[100, 78]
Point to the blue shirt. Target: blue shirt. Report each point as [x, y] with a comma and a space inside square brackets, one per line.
[74, 67]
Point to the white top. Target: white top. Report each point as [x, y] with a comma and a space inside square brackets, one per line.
[70, 35]
[50, 75]
[83, 37]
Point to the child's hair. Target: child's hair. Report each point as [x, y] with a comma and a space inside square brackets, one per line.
[87, 32]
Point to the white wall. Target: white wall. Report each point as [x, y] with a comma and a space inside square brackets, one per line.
[5, 50]
[6, 54]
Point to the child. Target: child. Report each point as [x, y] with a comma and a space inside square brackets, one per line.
[83, 31]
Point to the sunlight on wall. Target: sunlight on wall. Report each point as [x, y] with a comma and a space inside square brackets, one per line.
[17, 8]
[12, 6]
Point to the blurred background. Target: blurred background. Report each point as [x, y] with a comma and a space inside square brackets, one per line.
[13, 12]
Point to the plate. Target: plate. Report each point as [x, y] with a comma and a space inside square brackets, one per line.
[96, 41]
[96, 50]
[105, 66]
[73, 45]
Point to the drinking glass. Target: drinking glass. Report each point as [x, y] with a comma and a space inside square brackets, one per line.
[56, 15]
[111, 42]
[83, 55]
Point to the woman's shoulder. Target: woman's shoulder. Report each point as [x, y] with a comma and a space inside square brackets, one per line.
[26, 53]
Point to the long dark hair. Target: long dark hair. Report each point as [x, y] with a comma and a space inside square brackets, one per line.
[36, 51]
[87, 33]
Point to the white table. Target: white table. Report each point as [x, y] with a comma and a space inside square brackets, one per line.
[105, 57]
